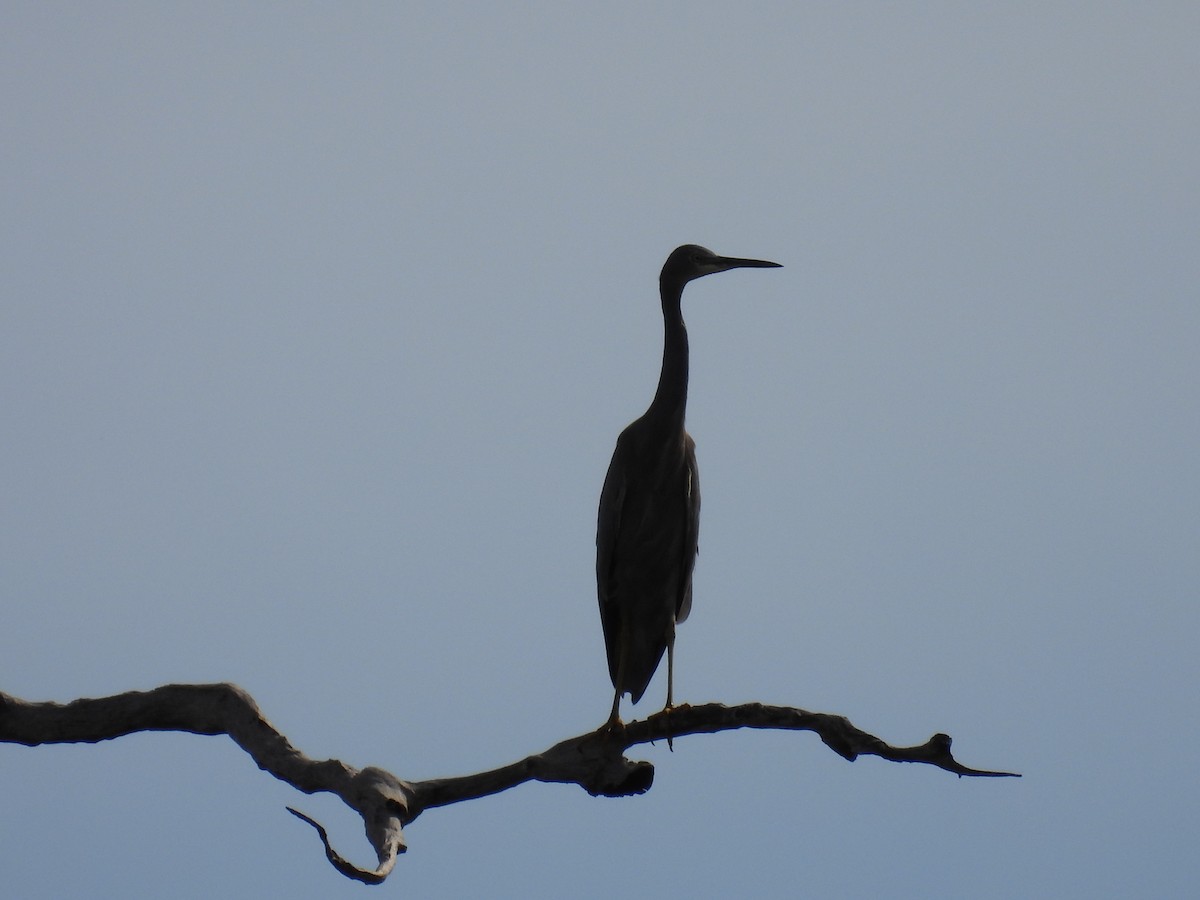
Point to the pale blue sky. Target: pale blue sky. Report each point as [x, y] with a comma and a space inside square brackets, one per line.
[318, 324]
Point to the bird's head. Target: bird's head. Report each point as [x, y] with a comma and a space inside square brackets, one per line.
[693, 261]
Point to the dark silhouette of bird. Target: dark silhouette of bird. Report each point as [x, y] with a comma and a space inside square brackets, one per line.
[649, 518]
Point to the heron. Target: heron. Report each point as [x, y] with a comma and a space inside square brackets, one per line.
[649, 519]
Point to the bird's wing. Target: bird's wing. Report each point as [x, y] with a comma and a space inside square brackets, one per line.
[608, 526]
[691, 534]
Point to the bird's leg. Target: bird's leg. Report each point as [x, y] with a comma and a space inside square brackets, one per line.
[670, 669]
[614, 718]
[670, 679]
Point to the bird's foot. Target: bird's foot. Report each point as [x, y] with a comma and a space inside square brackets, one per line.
[613, 726]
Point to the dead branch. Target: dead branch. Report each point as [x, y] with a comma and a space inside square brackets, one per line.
[595, 761]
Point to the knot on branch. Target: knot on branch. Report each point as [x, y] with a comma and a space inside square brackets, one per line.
[597, 763]
[382, 800]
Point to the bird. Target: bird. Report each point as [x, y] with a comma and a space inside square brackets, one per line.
[649, 518]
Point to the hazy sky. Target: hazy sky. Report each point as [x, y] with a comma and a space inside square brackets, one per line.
[317, 327]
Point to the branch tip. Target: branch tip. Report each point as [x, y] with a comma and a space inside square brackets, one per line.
[344, 866]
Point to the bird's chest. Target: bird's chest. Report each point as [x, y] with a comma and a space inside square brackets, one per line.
[658, 498]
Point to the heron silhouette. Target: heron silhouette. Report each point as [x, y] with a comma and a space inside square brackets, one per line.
[649, 519]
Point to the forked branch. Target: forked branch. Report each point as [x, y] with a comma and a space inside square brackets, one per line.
[595, 761]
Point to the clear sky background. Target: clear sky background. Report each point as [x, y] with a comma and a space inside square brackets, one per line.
[318, 324]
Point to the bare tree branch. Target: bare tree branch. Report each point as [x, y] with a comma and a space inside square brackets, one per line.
[595, 761]
[377, 796]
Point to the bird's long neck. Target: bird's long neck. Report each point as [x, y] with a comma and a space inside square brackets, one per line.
[670, 400]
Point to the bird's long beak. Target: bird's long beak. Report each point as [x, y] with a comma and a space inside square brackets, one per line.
[732, 262]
